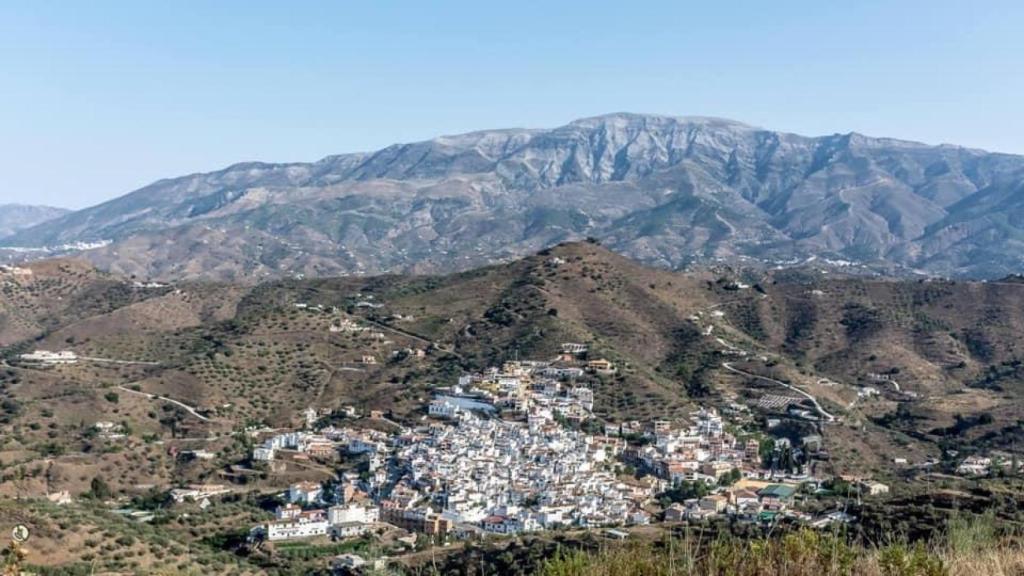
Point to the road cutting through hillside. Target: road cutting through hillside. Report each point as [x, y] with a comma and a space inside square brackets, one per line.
[121, 362]
[737, 350]
[817, 406]
[190, 409]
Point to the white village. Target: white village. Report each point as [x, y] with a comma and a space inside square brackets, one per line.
[504, 452]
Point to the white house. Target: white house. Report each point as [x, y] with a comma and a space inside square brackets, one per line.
[305, 493]
[347, 562]
[443, 409]
[585, 396]
[874, 488]
[501, 525]
[361, 446]
[974, 466]
[349, 529]
[50, 358]
[288, 512]
[639, 518]
[352, 513]
[297, 528]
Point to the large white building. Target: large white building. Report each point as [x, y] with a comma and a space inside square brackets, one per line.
[443, 409]
[301, 527]
[352, 513]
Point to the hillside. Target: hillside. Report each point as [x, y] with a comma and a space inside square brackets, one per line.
[666, 191]
[942, 357]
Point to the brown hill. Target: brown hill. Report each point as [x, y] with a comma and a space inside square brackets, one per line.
[942, 357]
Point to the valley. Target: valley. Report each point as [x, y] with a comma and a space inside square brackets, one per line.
[164, 385]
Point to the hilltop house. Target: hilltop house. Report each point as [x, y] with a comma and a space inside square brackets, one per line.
[48, 358]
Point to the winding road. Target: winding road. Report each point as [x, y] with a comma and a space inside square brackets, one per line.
[411, 335]
[122, 362]
[190, 409]
[817, 406]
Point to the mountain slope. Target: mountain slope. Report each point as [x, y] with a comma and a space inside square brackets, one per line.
[938, 353]
[663, 190]
[14, 217]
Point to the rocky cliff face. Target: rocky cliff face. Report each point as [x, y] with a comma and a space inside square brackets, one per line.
[666, 191]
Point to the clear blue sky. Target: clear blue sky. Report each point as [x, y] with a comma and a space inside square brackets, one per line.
[100, 97]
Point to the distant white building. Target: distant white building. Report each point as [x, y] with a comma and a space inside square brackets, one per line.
[639, 518]
[301, 527]
[310, 416]
[443, 409]
[509, 383]
[50, 358]
[574, 348]
[198, 492]
[974, 466]
[109, 430]
[305, 493]
[874, 488]
[585, 396]
[709, 423]
[349, 529]
[352, 513]
[347, 562]
[61, 498]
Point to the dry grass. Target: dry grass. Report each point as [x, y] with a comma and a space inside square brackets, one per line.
[969, 548]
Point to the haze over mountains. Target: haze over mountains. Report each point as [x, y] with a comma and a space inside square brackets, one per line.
[14, 217]
[666, 191]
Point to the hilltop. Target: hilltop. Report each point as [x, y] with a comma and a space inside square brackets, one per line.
[667, 191]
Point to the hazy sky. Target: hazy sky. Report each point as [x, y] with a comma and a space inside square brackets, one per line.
[101, 97]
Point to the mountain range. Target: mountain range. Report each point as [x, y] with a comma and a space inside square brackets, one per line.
[667, 191]
[14, 217]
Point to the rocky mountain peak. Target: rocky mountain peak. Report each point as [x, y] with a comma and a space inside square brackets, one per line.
[669, 191]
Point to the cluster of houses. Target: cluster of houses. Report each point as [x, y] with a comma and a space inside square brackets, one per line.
[326, 443]
[501, 454]
[304, 514]
[522, 386]
[703, 451]
[475, 474]
[507, 477]
[995, 462]
[751, 502]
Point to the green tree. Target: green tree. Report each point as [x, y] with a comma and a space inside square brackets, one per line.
[99, 489]
[731, 477]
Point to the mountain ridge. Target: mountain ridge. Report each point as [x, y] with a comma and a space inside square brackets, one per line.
[15, 217]
[668, 191]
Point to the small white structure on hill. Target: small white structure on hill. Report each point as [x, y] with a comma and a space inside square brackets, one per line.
[50, 358]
